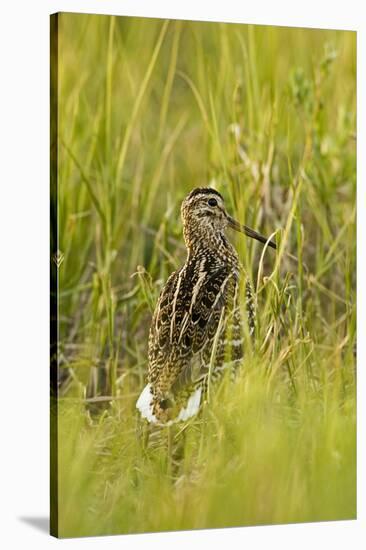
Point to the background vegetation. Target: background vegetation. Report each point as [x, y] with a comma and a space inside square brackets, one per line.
[148, 110]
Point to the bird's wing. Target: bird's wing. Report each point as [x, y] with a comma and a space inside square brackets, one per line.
[159, 349]
[186, 319]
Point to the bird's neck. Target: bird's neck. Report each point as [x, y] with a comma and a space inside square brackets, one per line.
[213, 241]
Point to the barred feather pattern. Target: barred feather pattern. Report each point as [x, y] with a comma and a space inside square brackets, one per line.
[184, 326]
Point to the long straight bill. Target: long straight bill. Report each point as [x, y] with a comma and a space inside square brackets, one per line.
[250, 232]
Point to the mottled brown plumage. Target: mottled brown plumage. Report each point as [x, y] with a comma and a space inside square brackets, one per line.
[197, 326]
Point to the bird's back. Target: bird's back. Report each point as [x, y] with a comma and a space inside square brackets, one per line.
[195, 302]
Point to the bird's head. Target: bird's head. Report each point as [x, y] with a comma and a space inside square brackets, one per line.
[204, 214]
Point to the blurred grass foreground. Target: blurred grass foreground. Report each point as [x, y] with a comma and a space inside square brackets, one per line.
[147, 110]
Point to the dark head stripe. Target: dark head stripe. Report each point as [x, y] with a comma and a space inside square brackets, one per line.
[204, 191]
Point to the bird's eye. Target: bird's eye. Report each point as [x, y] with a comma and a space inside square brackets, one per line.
[212, 202]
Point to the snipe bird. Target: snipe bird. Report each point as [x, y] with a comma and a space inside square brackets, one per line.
[197, 328]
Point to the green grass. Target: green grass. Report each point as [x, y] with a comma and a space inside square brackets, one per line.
[149, 110]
